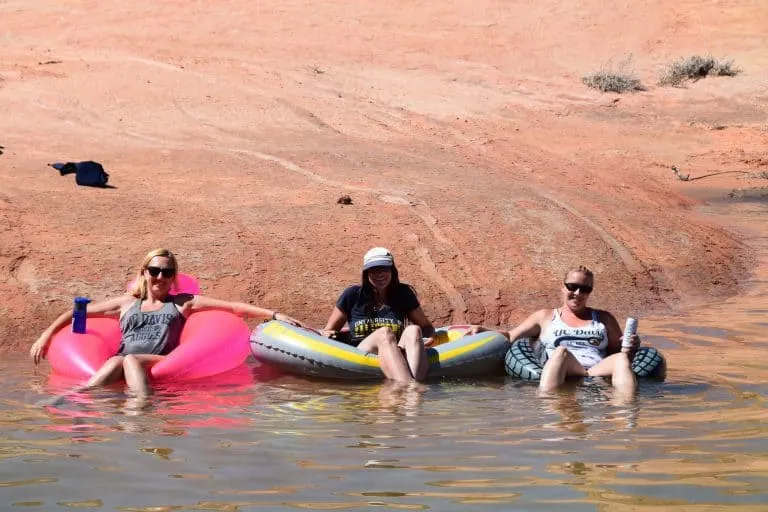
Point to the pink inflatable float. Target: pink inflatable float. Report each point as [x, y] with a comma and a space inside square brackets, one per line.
[212, 342]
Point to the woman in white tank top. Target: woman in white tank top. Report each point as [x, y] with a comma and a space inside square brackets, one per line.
[579, 341]
[587, 342]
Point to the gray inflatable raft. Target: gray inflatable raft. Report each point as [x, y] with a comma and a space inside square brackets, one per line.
[305, 352]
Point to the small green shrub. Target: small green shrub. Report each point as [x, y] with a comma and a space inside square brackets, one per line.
[695, 68]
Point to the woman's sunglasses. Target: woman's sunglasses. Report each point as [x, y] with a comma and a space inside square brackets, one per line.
[167, 272]
[583, 288]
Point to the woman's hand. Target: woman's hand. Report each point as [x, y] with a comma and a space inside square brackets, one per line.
[635, 344]
[474, 329]
[287, 319]
[39, 348]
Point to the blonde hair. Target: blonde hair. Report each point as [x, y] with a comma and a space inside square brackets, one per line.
[580, 269]
[139, 289]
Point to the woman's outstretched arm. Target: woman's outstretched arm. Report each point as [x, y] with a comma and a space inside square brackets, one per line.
[201, 302]
[109, 308]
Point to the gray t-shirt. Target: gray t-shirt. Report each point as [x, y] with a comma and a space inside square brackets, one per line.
[151, 332]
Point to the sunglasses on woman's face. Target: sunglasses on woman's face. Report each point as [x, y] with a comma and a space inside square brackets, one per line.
[167, 272]
[583, 288]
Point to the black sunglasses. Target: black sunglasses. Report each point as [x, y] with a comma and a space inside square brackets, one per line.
[167, 272]
[583, 288]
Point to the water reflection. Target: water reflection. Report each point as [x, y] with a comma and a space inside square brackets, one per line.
[292, 443]
[171, 410]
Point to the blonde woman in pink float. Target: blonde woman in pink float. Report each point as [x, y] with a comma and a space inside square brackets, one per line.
[151, 319]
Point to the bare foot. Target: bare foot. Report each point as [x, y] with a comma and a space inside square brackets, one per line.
[60, 399]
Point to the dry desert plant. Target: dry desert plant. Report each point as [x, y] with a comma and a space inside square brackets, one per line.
[694, 68]
[608, 79]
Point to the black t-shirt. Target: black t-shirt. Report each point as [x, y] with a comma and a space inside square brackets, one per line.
[364, 319]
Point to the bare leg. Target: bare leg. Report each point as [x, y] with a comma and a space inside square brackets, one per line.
[393, 364]
[561, 364]
[135, 369]
[618, 367]
[110, 371]
[568, 406]
[415, 353]
[401, 397]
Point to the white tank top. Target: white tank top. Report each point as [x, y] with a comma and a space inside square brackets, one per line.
[588, 343]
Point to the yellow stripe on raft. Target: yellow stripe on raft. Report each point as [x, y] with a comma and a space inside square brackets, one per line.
[460, 351]
[276, 329]
[296, 338]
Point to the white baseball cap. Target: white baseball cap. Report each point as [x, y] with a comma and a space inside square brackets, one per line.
[378, 257]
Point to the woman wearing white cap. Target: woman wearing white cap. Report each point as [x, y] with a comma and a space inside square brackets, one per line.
[377, 311]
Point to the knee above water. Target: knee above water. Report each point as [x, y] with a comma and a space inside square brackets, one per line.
[414, 341]
[622, 359]
[386, 333]
[416, 329]
[130, 359]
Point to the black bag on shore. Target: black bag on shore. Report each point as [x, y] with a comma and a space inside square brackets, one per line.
[87, 174]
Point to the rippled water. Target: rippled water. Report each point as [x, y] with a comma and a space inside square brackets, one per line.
[698, 441]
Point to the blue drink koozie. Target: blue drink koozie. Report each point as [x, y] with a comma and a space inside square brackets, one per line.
[79, 314]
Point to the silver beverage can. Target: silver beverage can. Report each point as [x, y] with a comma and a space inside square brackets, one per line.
[630, 328]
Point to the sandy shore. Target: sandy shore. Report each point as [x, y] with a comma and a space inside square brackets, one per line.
[461, 131]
